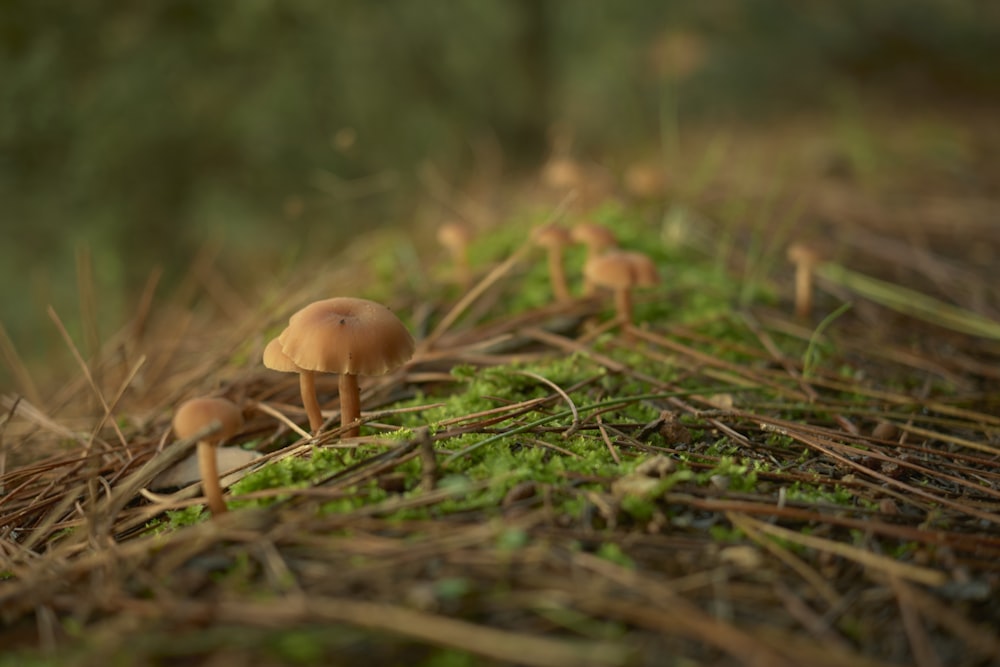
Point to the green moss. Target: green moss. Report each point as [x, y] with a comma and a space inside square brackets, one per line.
[811, 494]
[611, 551]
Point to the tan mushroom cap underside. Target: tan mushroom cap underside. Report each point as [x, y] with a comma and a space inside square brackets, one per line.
[198, 413]
[346, 335]
[454, 235]
[621, 270]
[610, 270]
[551, 235]
[594, 236]
[275, 358]
[799, 252]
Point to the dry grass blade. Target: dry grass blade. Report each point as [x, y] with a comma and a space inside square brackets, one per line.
[17, 368]
[872, 561]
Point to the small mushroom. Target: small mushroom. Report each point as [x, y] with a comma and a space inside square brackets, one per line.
[597, 240]
[805, 258]
[645, 180]
[621, 271]
[554, 238]
[456, 237]
[276, 359]
[196, 415]
[347, 336]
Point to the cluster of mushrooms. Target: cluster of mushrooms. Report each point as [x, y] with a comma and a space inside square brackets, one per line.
[342, 335]
[352, 336]
[606, 265]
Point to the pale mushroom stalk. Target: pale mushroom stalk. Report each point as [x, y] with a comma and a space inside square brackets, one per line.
[805, 258]
[209, 469]
[196, 415]
[623, 304]
[307, 387]
[463, 270]
[560, 288]
[350, 404]
[456, 237]
[554, 238]
[803, 290]
[276, 359]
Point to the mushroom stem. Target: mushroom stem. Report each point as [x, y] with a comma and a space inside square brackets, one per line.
[209, 469]
[307, 386]
[589, 287]
[463, 270]
[623, 304]
[560, 288]
[803, 289]
[350, 404]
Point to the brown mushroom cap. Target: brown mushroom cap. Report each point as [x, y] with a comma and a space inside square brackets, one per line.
[620, 269]
[612, 270]
[803, 253]
[198, 413]
[551, 236]
[346, 335]
[645, 269]
[275, 358]
[454, 235]
[596, 237]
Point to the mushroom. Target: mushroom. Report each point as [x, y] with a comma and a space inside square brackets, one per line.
[347, 336]
[597, 239]
[805, 258]
[645, 180]
[277, 360]
[196, 415]
[456, 237]
[554, 238]
[621, 271]
[561, 172]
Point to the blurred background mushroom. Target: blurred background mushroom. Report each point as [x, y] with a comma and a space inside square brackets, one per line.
[622, 271]
[805, 258]
[553, 238]
[136, 160]
[455, 237]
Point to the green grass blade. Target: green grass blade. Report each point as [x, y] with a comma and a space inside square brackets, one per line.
[911, 302]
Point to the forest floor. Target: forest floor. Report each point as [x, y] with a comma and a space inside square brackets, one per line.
[717, 481]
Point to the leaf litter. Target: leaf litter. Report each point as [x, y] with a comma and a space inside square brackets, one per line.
[539, 485]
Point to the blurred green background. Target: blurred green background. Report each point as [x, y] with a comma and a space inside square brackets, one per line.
[138, 131]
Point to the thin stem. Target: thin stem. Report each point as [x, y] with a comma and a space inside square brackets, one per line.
[623, 305]
[209, 469]
[557, 274]
[463, 270]
[307, 386]
[350, 404]
[803, 290]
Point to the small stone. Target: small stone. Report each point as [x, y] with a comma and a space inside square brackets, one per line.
[518, 492]
[720, 482]
[885, 431]
[658, 466]
[744, 557]
[888, 506]
[634, 485]
[394, 482]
